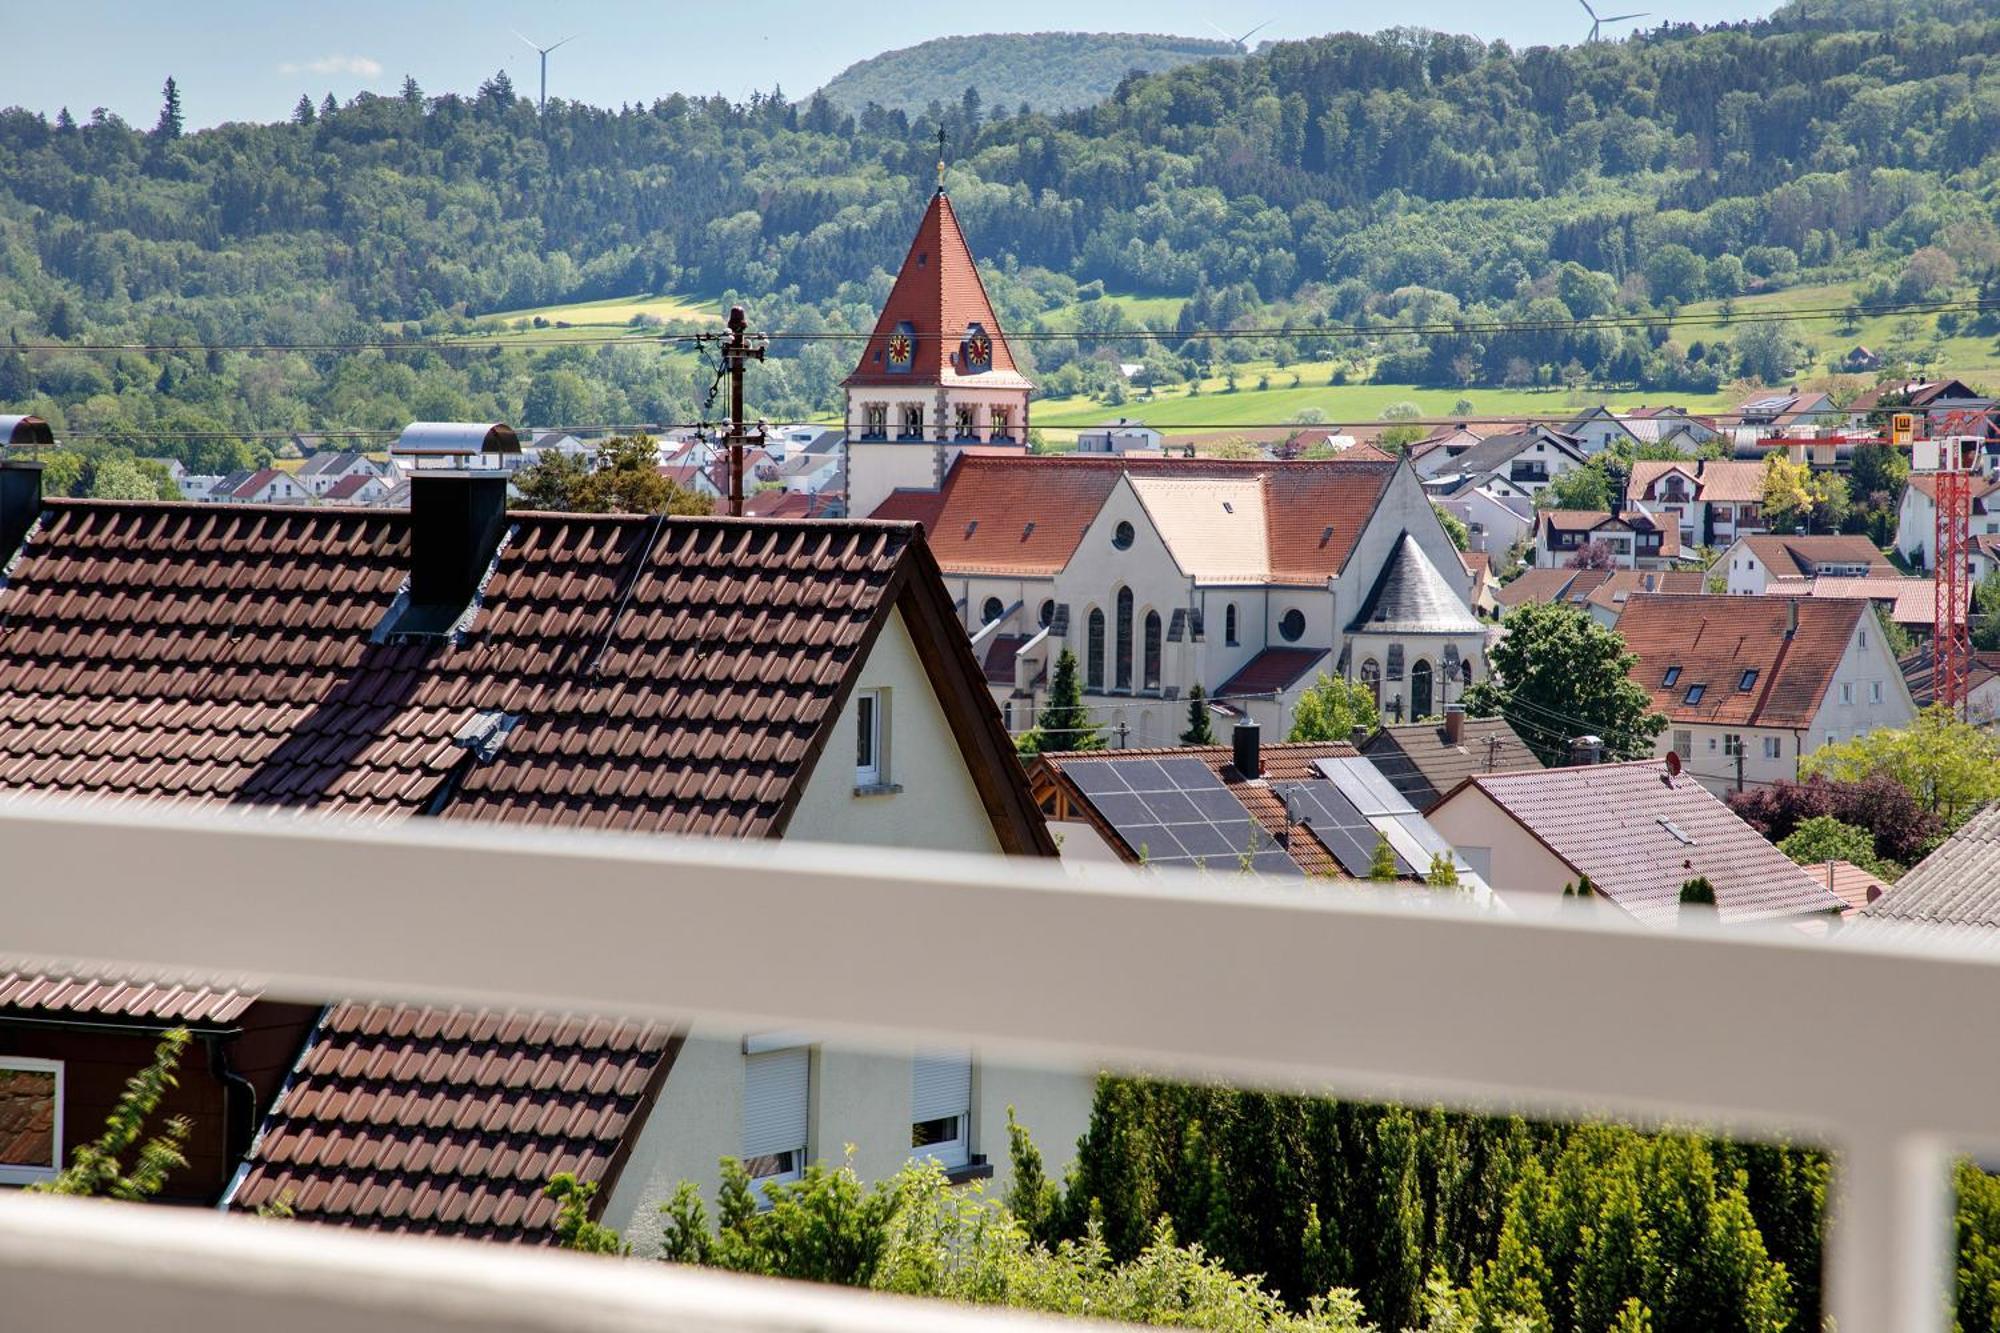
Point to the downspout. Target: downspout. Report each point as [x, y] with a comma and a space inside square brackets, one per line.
[239, 1099]
[284, 1090]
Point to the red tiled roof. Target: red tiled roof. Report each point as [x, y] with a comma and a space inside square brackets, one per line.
[778, 504]
[1272, 671]
[450, 1121]
[999, 661]
[149, 1001]
[1612, 593]
[350, 485]
[1713, 479]
[1549, 585]
[1909, 601]
[1798, 556]
[1577, 520]
[1714, 639]
[1925, 483]
[1008, 514]
[938, 293]
[256, 482]
[1611, 822]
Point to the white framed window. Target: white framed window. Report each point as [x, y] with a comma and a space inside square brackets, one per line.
[1684, 744]
[941, 1107]
[869, 765]
[777, 1085]
[1874, 691]
[1847, 691]
[1732, 745]
[1773, 748]
[31, 1119]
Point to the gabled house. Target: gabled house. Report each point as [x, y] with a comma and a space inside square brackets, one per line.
[1952, 894]
[1932, 402]
[1530, 458]
[1632, 540]
[1497, 514]
[1916, 520]
[266, 485]
[1785, 413]
[1982, 683]
[1437, 454]
[1120, 437]
[1424, 760]
[1752, 565]
[1750, 685]
[321, 472]
[356, 488]
[1637, 831]
[719, 677]
[1713, 501]
[1675, 426]
[1601, 592]
[1245, 577]
[1598, 428]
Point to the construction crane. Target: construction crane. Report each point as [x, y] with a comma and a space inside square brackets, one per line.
[1951, 457]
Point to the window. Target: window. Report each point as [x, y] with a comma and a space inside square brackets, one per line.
[1292, 625]
[875, 421]
[1874, 691]
[31, 1106]
[941, 1107]
[913, 423]
[1395, 661]
[1371, 676]
[1124, 660]
[1749, 679]
[1229, 624]
[1003, 422]
[1093, 650]
[1847, 691]
[1695, 692]
[1774, 748]
[1672, 678]
[1152, 657]
[966, 419]
[992, 611]
[1684, 744]
[868, 767]
[1732, 746]
[1047, 615]
[1121, 536]
[1864, 638]
[776, 1084]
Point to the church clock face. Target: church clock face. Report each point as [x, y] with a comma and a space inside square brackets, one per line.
[901, 348]
[978, 352]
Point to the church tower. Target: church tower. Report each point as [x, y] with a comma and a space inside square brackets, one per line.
[936, 376]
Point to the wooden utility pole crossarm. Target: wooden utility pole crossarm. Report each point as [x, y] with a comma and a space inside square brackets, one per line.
[735, 352]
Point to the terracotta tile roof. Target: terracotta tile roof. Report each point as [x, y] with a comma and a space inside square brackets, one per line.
[350, 485]
[449, 1121]
[1612, 593]
[1271, 672]
[1476, 561]
[1288, 761]
[1420, 763]
[1926, 484]
[1909, 601]
[1715, 640]
[1856, 887]
[1714, 479]
[1549, 585]
[1003, 513]
[1574, 520]
[1801, 556]
[1640, 834]
[1955, 888]
[148, 1001]
[938, 293]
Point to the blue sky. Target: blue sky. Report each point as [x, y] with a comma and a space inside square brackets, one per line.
[239, 60]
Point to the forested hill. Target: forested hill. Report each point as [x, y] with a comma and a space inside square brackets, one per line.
[1043, 71]
[1393, 178]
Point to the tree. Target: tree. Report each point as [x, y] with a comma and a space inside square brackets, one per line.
[1331, 708]
[1443, 873]
[1765, 351]
[412, 95]
[1903, 832]
[328, 108]
[171, 120]
[1382, 864]
[1593, 554]
[1698, 892]
[625, 480]
[1824, 838]
[1199, 730]
[1065, 724]
[1584, 488]
[97, 1169]
[1950, 767]
[1986, 612]
[116, 478]
[1454, 527]
[1676, 273]
[575, 1229]
[302, 113]
[1794, 495]
[1558, 674]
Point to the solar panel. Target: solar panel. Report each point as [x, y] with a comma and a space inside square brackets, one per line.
[1176, 811]
[1337, 823]
[1365, 787]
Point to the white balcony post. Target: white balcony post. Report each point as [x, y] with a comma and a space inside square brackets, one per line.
[1888, 1238]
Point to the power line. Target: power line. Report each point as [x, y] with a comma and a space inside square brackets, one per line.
[492, 341]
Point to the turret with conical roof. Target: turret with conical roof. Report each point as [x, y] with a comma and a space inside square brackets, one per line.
[936, 376]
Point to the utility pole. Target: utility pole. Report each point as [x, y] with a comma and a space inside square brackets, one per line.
[735, 352]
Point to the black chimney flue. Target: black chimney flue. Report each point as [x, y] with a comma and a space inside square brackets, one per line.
[455, 523]
[1249, 758]
[20, 503]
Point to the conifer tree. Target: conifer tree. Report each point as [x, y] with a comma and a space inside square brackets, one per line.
[302, 113]
[1198, 732]
[1382, 868]
[1065, 723]
[171, 120]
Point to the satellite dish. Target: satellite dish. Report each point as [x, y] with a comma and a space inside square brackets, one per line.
[1673, 764]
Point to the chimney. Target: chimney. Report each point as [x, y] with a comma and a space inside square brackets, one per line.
[457, 513]
[20, 503]
[1357, 735]
[1586, 750]
[1249, 761]
[1791, 617]
[1454, 724]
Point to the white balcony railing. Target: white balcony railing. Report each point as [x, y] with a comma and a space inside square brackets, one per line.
[1876, 1049]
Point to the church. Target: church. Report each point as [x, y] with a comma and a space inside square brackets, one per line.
[1249, 578]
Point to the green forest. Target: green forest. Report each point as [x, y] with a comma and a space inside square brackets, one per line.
[1363, 182]
[1030, 71]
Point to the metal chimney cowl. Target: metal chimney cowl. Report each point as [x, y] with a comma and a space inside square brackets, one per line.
[20, 503]
[456, 518]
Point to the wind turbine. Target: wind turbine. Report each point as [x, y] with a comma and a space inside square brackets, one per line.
[543, 52]
[1242, 44]
[1597, 23]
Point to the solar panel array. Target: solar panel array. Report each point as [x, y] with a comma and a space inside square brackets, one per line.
[1176, 811]
[1339, 824]
[1411, 836]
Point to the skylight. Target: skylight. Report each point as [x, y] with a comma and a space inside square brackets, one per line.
[1672, 678]
[1749, 679]
[1695, 692]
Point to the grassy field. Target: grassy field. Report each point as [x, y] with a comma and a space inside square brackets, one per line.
[618, 310]
[1973, 359]
[1146, 310]
[1216, 409]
